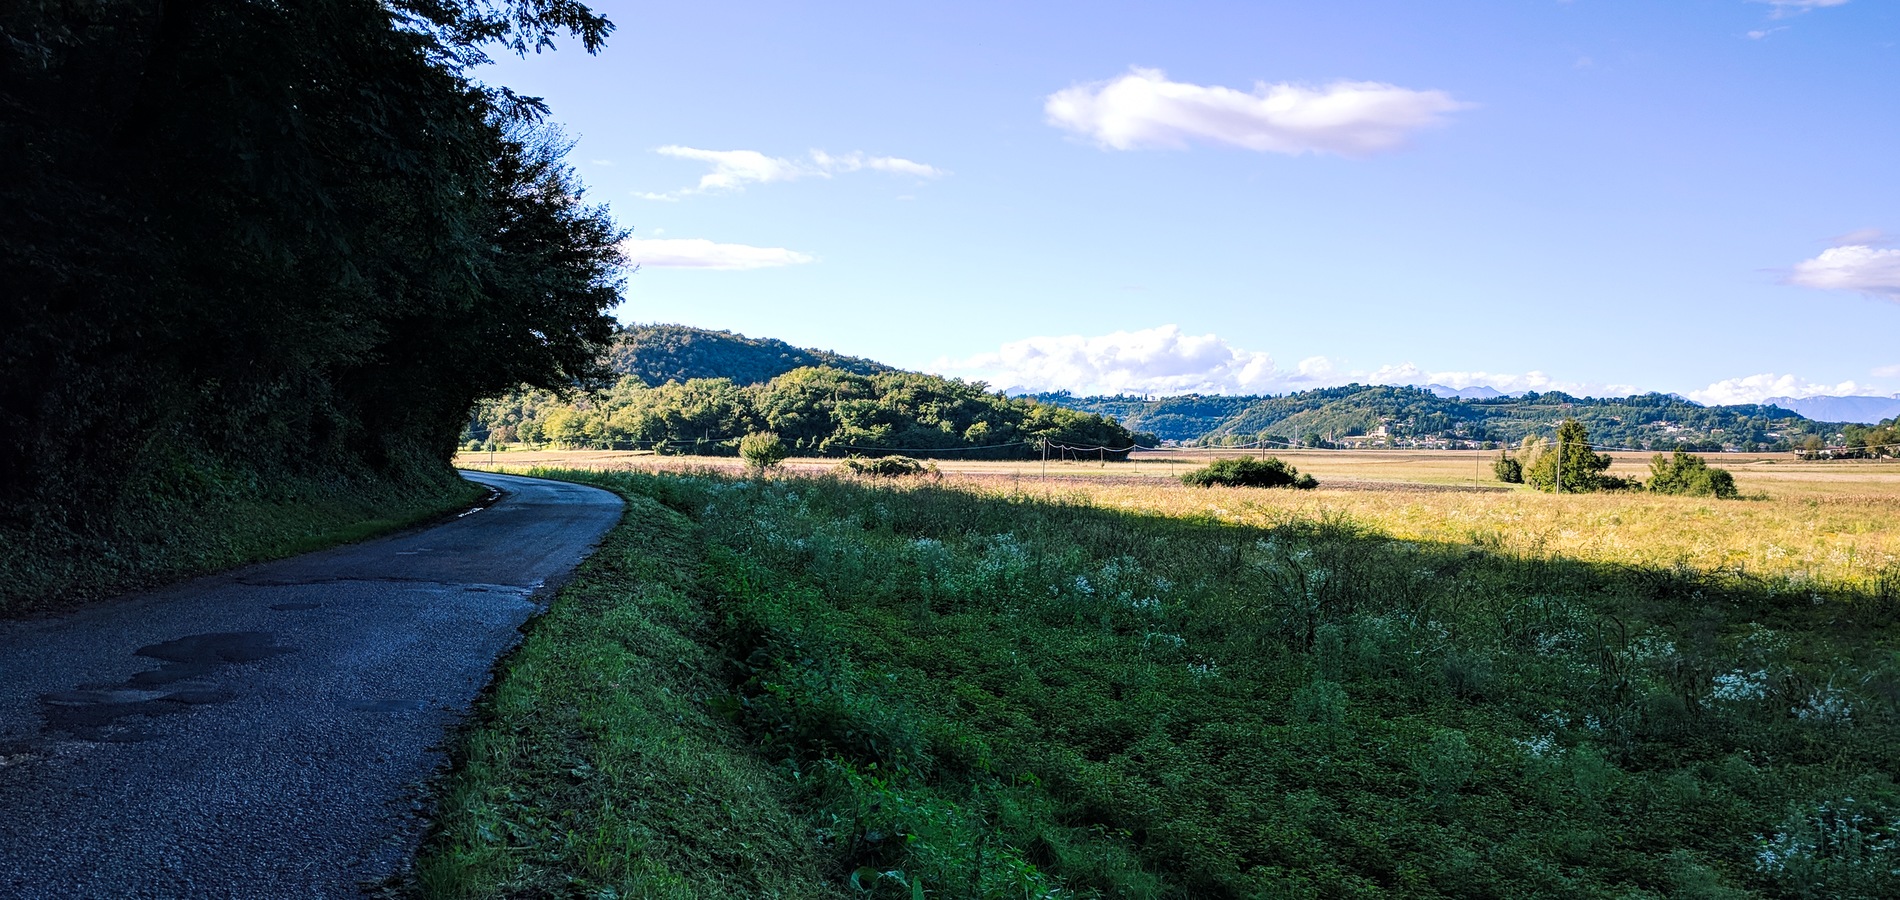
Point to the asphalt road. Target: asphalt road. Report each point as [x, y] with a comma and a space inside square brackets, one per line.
[266, 732]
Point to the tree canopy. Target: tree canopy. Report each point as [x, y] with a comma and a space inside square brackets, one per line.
[276, 237]
[1396, 416]
[815, 411]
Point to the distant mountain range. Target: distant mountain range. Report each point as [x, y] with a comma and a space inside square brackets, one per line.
[1432, 415]
[1476, 392]
[1860, 410]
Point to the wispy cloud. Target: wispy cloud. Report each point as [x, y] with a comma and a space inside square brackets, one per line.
[1757, 388]
[1349, 118]
[1165, 360]
[1781, 9]
[1892, 371]
[700, 253]
[1864, 268]
[733, 170]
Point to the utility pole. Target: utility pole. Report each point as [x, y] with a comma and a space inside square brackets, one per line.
[1560, 459]
[1045, 459]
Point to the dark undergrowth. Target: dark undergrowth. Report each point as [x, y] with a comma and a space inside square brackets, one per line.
[194, 519]
[920, 691]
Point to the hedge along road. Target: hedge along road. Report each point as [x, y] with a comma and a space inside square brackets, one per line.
[266, 732]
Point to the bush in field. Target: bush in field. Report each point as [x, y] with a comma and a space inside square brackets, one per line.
[1686, 473]
[763, 450]
[886, 466]
[1507, 468]
[1245, 471]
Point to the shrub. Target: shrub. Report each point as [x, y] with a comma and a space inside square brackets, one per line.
[1507, 469]
[1685, 473]
[1245, 471]
[763, 450]
[886, 466]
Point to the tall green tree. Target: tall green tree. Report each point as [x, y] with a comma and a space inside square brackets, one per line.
[1568, 461]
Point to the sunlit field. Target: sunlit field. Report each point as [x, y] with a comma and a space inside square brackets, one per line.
[1822, 522]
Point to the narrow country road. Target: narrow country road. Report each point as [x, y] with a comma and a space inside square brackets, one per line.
[265, 732]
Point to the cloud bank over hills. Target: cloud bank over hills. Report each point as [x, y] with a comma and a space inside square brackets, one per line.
[1166, 360]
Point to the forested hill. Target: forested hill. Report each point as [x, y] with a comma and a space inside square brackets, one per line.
[657, 354]
[1386, 415]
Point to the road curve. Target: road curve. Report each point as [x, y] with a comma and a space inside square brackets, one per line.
[264, 732]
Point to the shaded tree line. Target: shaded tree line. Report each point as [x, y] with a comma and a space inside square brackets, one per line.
[814, 411]
[255, 241]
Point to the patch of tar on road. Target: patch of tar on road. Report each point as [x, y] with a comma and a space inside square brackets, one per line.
[94, 712]
[385, 705]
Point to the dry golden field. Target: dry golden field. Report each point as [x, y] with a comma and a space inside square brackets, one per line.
[1830, 523]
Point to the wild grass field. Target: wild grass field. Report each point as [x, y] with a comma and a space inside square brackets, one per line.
[988, 687]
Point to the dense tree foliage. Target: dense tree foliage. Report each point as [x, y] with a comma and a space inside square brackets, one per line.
[277, 239]
[1871, 442]
[1385, 415]
[1507, 468]
[1685, 473]
[816, 411]
[1568, 463]
[1246, 471]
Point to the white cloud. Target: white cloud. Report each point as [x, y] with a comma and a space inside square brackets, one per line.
[1153, 360]
[1350, 118]
[1163, 360]
[1505, 382]
[1756, 388]
[732, 170]
[1852, 267]
[1892, 371]
[851, 162]
[1781, 9]
[699, 253]
[1760, 33]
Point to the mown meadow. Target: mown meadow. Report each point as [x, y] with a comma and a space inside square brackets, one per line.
[790, 687]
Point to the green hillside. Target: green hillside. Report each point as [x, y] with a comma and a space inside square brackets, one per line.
[1385, 415]
[657, 354]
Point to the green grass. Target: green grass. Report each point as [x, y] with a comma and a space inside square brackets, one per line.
[916, 690]
[198, 519]
[598, 767]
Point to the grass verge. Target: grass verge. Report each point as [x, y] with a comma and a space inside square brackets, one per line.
[207, 521]
[597, 766]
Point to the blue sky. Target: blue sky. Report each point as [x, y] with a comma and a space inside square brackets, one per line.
[1697, 196]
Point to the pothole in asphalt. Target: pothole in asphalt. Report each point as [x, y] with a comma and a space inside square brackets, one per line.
[94, 711]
